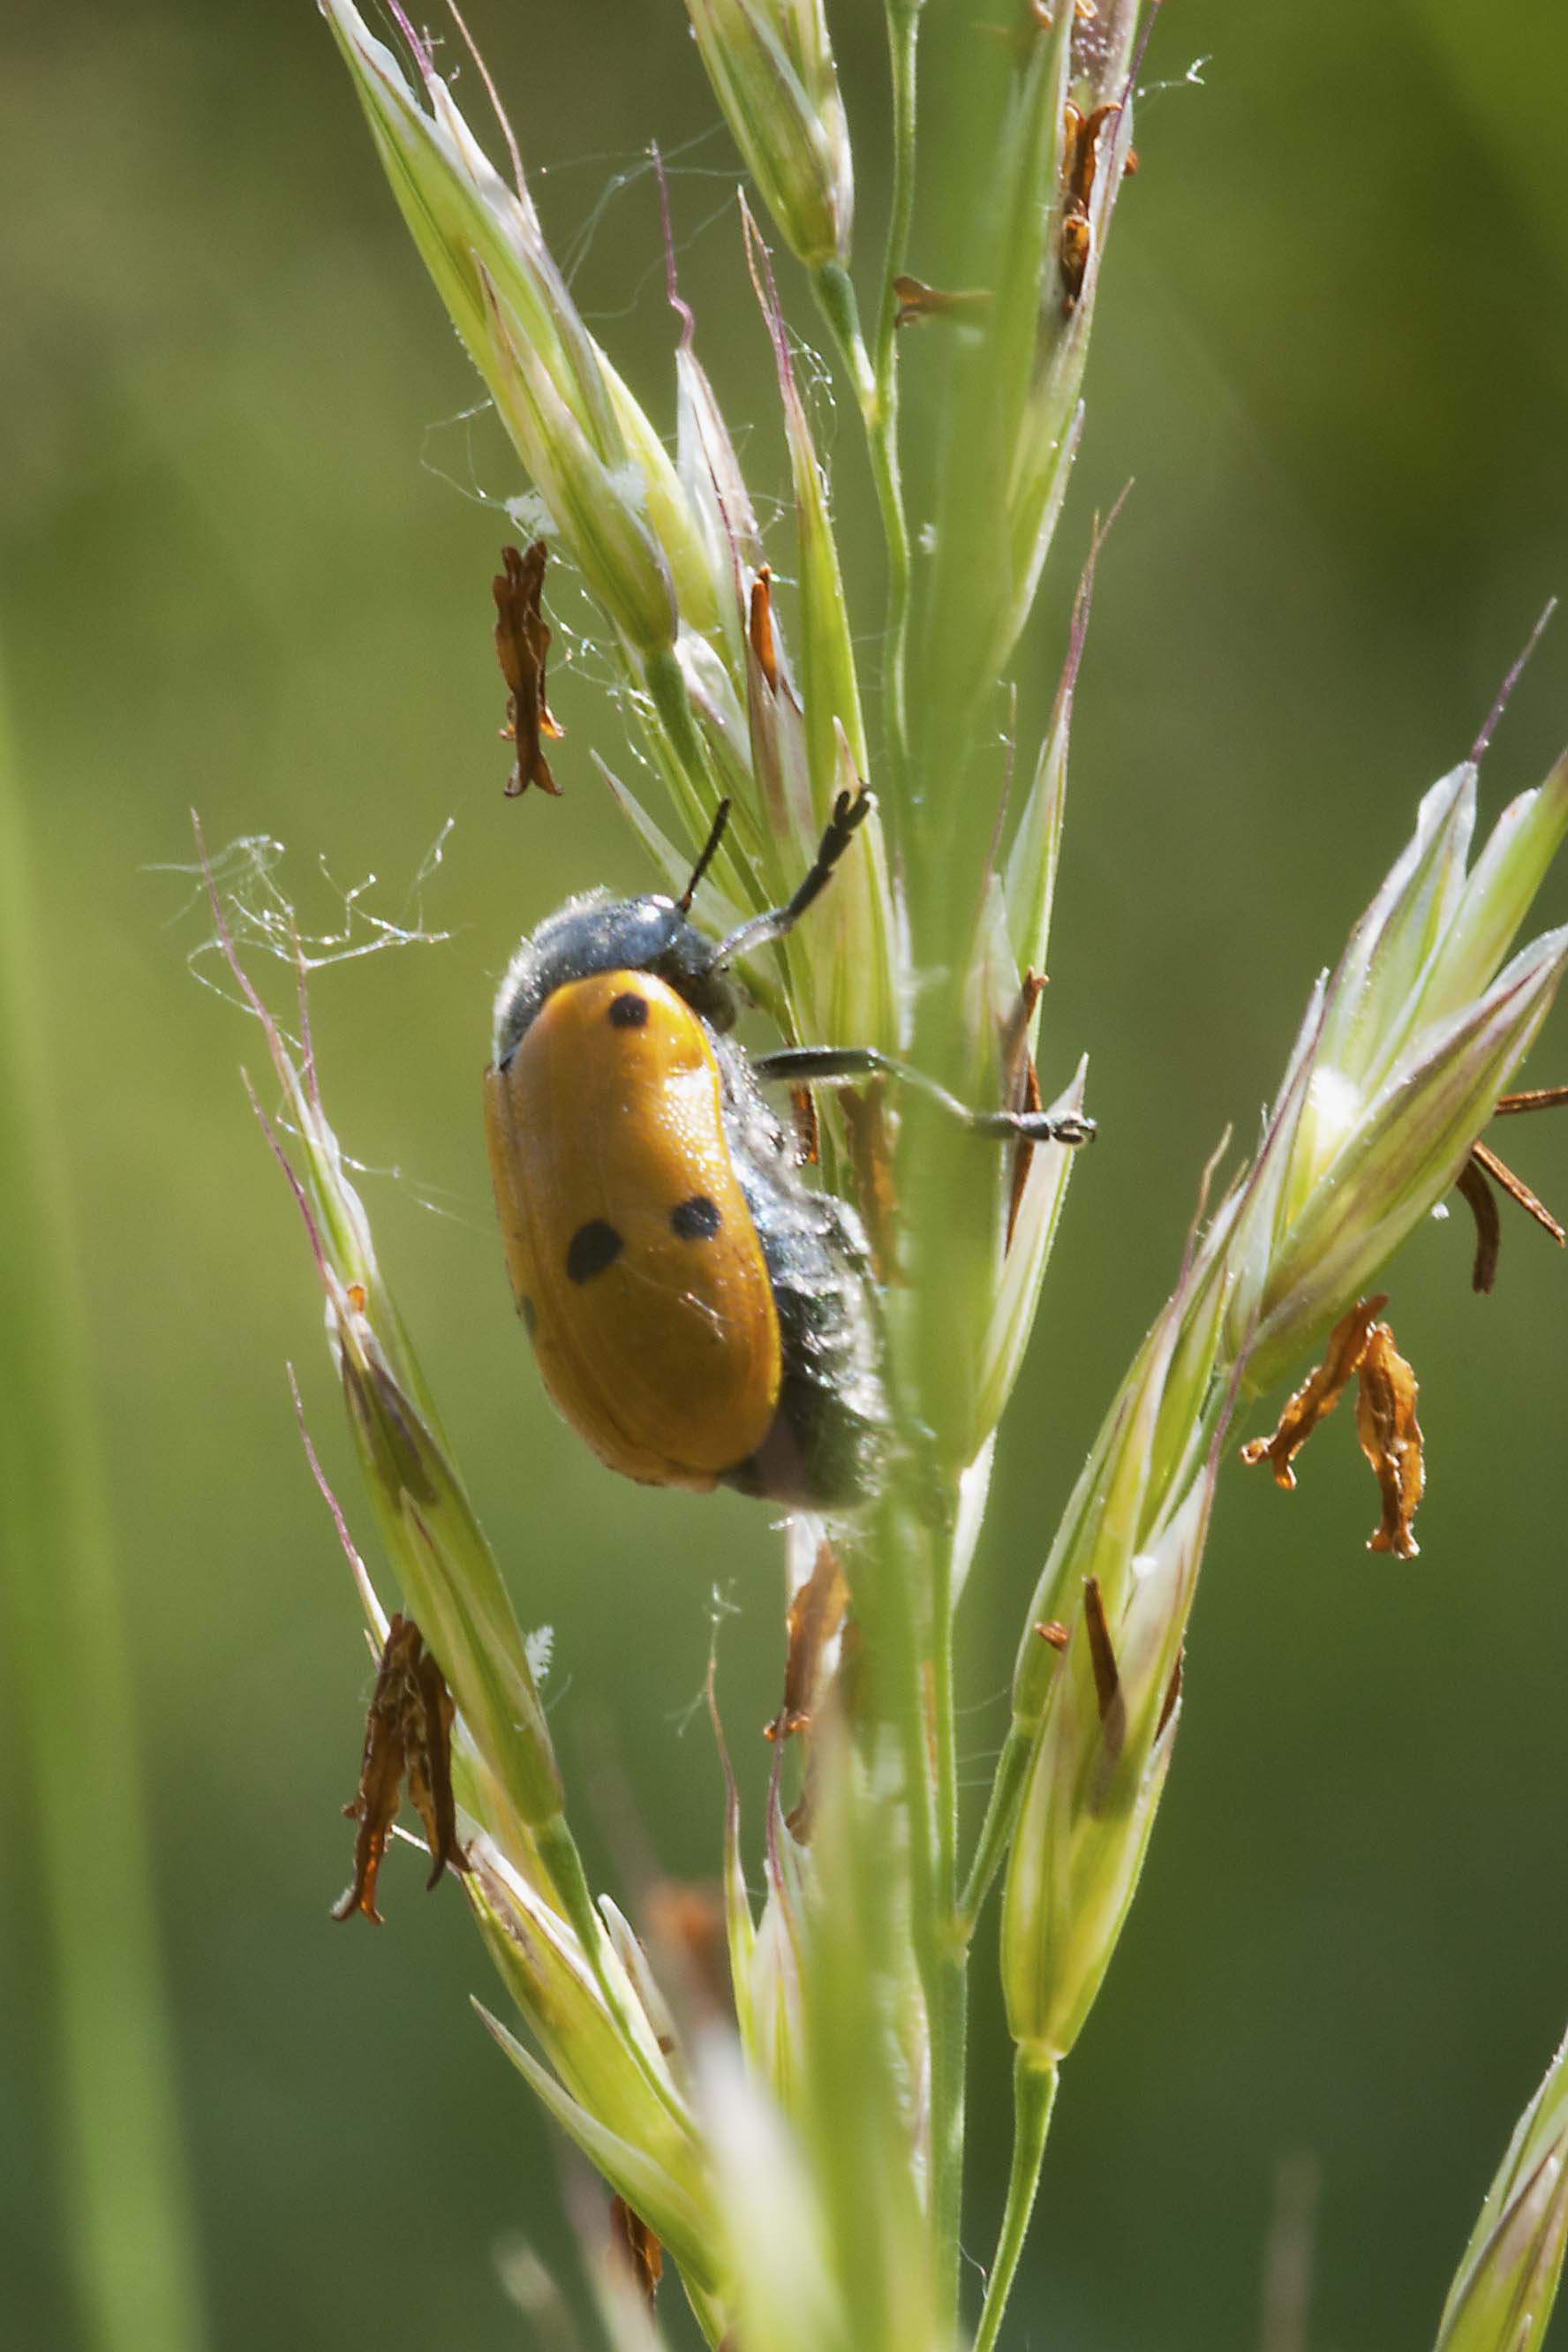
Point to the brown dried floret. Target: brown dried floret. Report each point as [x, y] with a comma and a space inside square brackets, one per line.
[1391, 1439]
[407, 1736]
[1319, 1393]
[522, 646]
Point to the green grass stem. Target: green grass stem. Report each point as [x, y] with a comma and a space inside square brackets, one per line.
[875, 392]
[130, 2235]
[1034, 2097]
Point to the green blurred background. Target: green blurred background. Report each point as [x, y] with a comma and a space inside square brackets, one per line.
[246, 566]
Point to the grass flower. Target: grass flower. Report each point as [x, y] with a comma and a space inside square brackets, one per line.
[1402, 1055]
[772, 69]
[777, 2095]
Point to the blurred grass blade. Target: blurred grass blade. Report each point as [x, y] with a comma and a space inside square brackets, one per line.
[70, 1688]
[1504, 2291]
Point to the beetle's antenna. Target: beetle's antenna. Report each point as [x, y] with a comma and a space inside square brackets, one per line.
[849, 810]
[716, 835]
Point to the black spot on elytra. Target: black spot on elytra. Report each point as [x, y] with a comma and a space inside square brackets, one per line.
[629, 1011]
[696, 1220]
[530, 1314]
[591, 1248]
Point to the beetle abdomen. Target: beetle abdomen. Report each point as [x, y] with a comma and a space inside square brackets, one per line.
[828, 1435]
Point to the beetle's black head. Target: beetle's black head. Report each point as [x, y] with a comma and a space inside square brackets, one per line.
[598, 933]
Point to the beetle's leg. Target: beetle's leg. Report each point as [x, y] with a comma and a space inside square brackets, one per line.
[807, 1065]
[850, 810]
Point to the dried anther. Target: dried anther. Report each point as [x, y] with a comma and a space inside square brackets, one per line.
[762, 627]
[1040, 16]
[1109, 1695]
[1471, 1185]
[522, 646]
[686, 1930]
[1044, 13]
[1102, 1658]
[816, 1616]
[1053, 1632]
[807, 1131]
[1483, 1168]
[1391, 1439]
[407, 1736]
[1319, 1393]
[1531, 1098]
[1386, 1425]
[634, 2243]
[1173, 1697]
[916, 300]
[1082, 136]
[1518, 1192]
[864, 1111]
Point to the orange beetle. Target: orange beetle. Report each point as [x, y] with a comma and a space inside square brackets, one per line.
[700, 1315]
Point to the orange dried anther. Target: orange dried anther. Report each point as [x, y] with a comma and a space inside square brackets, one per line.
[634, 2243]
[686, 1929]
[407, 1736]
[762, 627]
[816, 1614]
[918, 301]
[807, 1128]
[1081, 160]
[864, 1111]
[522, 646]
[1045, 15]
[1391, 1439]
[1039, 16]
[1053, 1632]
[1319, 1393]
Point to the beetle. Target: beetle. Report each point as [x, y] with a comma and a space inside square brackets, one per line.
[702, 1315]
